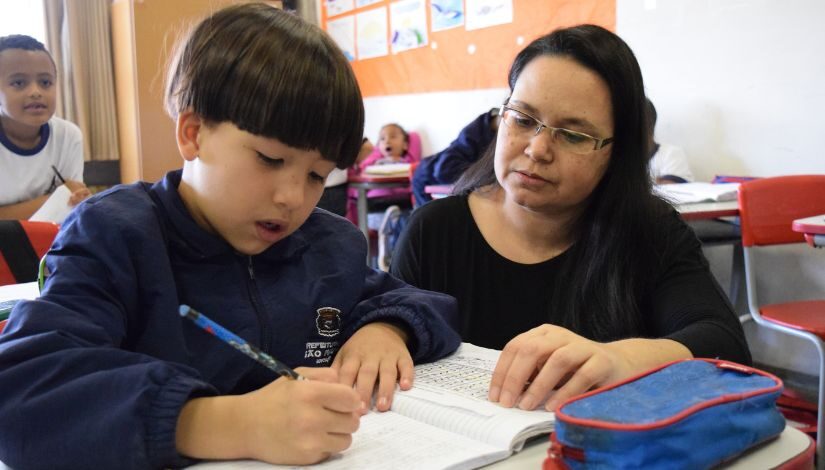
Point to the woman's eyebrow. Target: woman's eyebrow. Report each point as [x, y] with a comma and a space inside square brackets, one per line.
[583, 124]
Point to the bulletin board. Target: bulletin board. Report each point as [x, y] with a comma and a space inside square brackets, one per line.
[472, 55]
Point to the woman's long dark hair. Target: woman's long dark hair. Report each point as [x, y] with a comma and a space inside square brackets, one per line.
[607, 265]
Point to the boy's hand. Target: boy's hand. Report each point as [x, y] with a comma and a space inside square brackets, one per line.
[377, 350]
[79, 192]
[295, 422]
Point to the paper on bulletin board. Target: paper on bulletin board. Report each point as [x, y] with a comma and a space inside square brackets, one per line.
[336, 7]
[446, 14]
[342, 31]
[486, 13]
[371, 36]
[408, 25]
[363, 3]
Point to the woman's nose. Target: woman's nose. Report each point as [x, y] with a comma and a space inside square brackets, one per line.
[540, 146]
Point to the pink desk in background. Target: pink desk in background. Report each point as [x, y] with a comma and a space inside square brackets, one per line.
[813, 228]
[437, 191]
[364, 183]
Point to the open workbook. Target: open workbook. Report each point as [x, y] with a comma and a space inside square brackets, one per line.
[443, 422]
[688, 193]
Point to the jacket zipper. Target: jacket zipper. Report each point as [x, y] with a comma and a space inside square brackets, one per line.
[255, 298]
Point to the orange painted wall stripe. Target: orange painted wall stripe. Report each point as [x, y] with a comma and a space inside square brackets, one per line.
[451, 67]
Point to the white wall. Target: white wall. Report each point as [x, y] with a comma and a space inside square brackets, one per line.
[737, 83]
[437, 117]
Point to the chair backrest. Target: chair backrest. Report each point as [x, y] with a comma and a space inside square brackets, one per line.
[768, 206]
[22, 244]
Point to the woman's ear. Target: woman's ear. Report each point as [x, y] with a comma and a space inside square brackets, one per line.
[187, 129]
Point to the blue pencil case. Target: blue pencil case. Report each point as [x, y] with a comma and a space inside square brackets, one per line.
[692, 414]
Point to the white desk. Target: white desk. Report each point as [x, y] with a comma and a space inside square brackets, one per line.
[708, 210]
[27, 290]
[813, 228]
[791, 444]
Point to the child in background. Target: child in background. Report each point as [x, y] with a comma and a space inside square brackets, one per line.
[668, 163]
[32, 140]
[392, 147]
[235, 234]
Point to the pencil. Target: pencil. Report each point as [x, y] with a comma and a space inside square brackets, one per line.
[59, 176]
[238, 343]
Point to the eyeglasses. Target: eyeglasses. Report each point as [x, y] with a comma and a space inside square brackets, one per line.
[524, 125]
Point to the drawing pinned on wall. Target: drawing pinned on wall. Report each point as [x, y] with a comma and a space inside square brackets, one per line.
[486, 13]
[408, 25]
[363, 3]
[371, 33]
[446, 14]
[336, 7]
[342, 30]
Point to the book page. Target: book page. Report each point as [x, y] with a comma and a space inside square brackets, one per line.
[452, 394]
[390, 440]
[56, 207]
[686, 193]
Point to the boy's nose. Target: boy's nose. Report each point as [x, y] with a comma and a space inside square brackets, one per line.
[290, 193]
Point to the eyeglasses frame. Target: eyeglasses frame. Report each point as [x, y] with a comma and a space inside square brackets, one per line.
[598, 143]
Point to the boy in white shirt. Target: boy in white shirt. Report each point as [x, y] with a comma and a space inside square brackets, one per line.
[38, 152]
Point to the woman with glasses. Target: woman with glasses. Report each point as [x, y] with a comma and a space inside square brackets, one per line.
[553, 243]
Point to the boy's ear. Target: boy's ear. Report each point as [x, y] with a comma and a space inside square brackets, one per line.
[187, 129]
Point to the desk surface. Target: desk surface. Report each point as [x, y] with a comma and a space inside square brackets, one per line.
[815, 225]
[790, 444]
[708, 210]
[27, 290]
[358, 180]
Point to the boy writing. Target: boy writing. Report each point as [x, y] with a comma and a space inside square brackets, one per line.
[37, 150]
[101, 371]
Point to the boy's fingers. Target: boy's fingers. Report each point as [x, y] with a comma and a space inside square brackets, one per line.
[388, 375]
[406, 372]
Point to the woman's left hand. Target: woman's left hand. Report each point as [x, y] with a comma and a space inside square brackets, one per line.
[376, 352]
[549, 357]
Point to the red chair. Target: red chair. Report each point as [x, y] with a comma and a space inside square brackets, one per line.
[767, 207]
[3, 324]
[22, 244]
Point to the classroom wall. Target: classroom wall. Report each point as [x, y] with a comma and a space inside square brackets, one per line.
[737, 83]
[144, 32]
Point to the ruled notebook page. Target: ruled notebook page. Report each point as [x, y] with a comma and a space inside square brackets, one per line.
[452, 394]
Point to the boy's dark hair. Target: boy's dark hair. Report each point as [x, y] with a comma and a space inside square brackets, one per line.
[270, 74]
[607, 265]
[21, 41]
[398, 126]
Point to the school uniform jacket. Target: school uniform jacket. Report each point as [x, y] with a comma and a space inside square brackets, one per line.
[95, 372]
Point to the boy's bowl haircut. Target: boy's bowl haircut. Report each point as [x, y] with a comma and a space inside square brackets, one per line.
[273, 75]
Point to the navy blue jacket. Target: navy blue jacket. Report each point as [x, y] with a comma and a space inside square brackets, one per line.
[95, 372]
[447, 165]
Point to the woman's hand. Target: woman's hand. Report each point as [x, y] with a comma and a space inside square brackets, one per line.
[547, 358]
[377, 351]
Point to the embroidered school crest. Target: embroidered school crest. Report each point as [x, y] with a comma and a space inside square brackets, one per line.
[328, 321]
